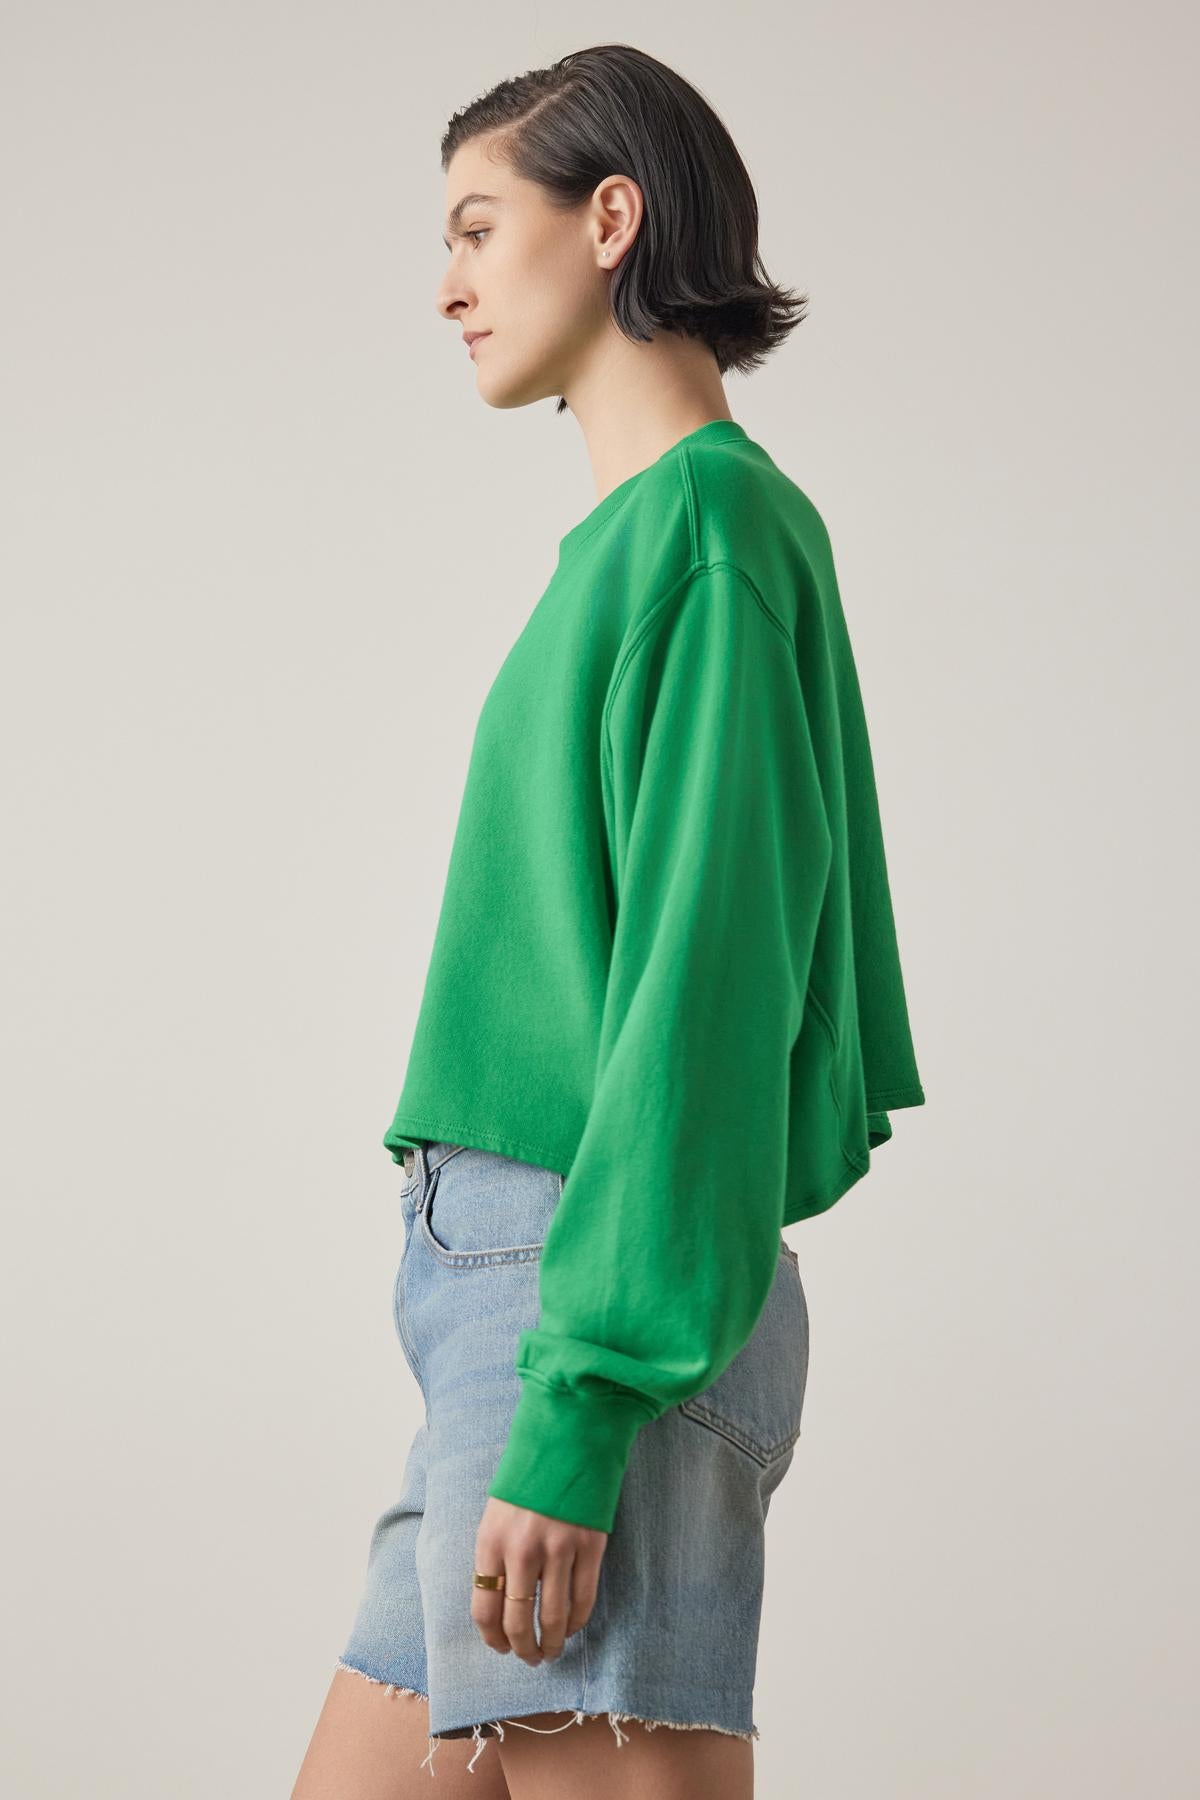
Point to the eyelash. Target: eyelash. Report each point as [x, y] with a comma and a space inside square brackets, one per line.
[482, 231]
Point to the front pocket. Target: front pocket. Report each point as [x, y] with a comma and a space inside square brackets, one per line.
[757, 1401]
[484, 1210]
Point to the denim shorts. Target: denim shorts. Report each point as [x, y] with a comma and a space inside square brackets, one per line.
[672, 1638]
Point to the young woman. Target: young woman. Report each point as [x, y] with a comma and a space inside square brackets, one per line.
[664, 1014]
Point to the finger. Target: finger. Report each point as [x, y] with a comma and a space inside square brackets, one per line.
[555, 1604]
[521, 1577]
[585, 1582]
[487, 1604]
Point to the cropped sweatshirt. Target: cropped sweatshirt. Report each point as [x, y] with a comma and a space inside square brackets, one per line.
[666, 930]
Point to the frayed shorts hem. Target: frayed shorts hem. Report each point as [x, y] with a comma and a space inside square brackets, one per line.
[393, 1687]
[481, 1730]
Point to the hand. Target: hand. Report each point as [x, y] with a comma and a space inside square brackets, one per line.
[524, 1547]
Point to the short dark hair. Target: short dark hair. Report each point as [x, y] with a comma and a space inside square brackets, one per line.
[694, 265]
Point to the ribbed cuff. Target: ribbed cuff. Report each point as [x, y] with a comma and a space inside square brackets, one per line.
[567, 1452]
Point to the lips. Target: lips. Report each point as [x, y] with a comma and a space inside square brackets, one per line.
[474, 338]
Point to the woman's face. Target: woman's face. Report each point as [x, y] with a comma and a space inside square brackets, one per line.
[530, 275]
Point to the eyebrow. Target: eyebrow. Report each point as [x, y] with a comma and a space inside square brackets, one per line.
[464, 205]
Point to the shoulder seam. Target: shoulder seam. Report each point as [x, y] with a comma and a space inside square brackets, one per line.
[698, 562]
[695, 568]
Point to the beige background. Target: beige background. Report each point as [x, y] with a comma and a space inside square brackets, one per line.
[263, 551]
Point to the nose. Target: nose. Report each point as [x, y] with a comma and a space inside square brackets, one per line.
[451, 297]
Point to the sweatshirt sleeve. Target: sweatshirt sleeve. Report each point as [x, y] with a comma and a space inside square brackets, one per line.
[656, 1264]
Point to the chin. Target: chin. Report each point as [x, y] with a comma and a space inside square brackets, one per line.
[507, 393]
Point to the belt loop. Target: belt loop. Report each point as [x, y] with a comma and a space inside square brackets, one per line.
[418, 1159]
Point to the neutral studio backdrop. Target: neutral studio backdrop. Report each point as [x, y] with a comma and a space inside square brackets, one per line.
[263, 550]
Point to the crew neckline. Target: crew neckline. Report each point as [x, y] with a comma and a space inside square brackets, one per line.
[714, 431]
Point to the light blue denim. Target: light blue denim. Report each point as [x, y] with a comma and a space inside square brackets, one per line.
[673, 1636]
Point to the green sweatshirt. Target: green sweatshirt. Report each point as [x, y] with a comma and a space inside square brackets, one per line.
[666, 947]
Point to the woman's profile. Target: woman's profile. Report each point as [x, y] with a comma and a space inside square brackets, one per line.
[663, 1018]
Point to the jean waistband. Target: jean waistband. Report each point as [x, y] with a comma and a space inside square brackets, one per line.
[430, 1155]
